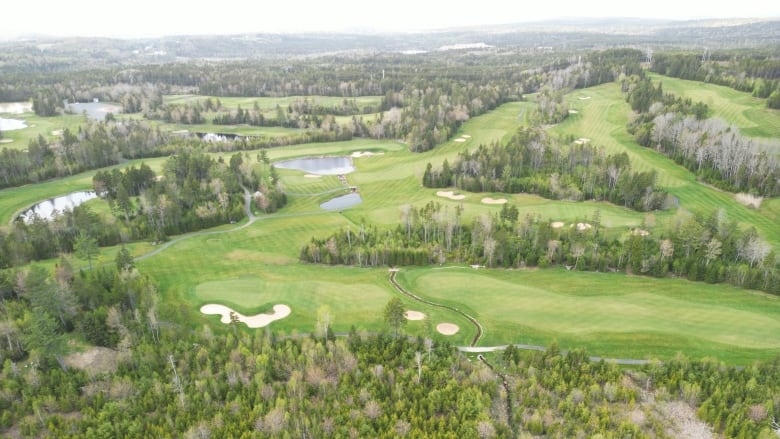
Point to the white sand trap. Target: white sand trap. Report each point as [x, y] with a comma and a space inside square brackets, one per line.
[414, 315]
[358, 154]
[582, 141]
[56, 133]
[488, 200]
[749, 200]
[450, 194]
[640, 232]
[255, 321]
[312, 176]
[583, 98]
[556, 224]
[573, 111]
[460, 140]
[466, 136]
[180, 132]
[447, 328]
[6, 140]
[581, 227]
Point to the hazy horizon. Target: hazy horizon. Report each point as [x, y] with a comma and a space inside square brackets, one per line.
[146, 18]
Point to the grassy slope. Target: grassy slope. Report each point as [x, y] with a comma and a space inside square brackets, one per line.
[738, 108]
[603, 119]
[39, 126]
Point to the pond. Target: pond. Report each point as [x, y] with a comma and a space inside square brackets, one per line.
[15, 107]
[94, 110]
[319, 165]
[12, 124]
[342, 202]
[49, 208]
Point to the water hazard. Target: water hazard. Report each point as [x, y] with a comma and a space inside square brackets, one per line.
[319, 165]
[342, 202]
[53, 206]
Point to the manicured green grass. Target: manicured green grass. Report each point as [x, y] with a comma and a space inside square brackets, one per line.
[39, 126]
[748, 113]
[603, 119]
[254, 267]
[611, 315]
[243, 130]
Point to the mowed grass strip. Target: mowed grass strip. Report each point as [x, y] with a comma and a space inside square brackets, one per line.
[741, 109]
[609, 314]
[603, 119]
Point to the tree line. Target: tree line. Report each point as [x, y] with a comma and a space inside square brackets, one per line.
[754, 73]
[709, 249]
[710, 148]
[533, 162]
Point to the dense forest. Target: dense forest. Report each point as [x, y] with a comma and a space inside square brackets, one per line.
[709, 249]
[164, 378]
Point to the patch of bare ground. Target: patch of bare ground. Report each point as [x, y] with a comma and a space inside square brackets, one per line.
[95, 360]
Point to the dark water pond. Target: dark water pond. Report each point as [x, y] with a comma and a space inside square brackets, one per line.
[319, 165]
[49, 208]
[342, 202]
[94, 110]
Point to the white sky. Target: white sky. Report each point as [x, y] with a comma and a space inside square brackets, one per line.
[175, 17]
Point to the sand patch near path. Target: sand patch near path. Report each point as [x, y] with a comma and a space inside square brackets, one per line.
[414, 315]
[447, 328]
[256, 321]
[488, 200]
[312, 176]
[556, 224]
[450, 194]
[460, 140]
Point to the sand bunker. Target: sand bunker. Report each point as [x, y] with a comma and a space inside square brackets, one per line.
[749, 200]
[573, 111]
[358, 154]
[460, 140]
[450, 194]
[447, 328]
[255, 321]
[556, 224]
[581, 227]
[583, 98]
[640, 232]
[488, 200]
[56, 133]
[582, 141]
[312, 176]
[6, 140]
[414, 315]
[466, 136]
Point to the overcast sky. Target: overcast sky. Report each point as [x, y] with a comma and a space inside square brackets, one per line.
[175, 17]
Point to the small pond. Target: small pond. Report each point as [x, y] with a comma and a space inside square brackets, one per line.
[342, 202]
[46, 209]
[94, 110]
[15, 107]
[12, 124]
[319, 165]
